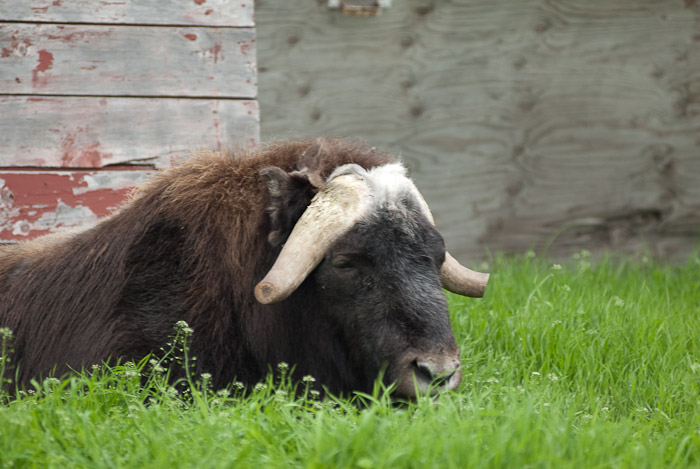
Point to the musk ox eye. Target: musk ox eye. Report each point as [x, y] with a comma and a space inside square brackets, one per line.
[345, 262]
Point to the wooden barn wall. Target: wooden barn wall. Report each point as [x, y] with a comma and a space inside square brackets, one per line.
[96, 95]
[547, 124]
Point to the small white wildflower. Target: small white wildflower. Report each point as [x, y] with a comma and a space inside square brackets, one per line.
[585, 253]
[618, 301]
[553, 377]
[282, 366]
[556, 323]
[566, 288]
[546, 404]
[182, 326]
[281, 393]
[206, 376]
[535, 373]
[5, 333]
[239, 386]
[529, 254]
[308, 379]
[95, 368]
[314, 394]
[51, 382]
[556, 267]
[260, 387]
[155, 365]
[223, 392]
[493, 380]
[605, 409]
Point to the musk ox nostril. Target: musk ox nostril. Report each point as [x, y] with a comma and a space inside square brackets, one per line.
[430, 373]
[424, 369]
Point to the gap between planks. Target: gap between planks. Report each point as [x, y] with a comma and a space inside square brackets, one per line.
[134, 96]
[135, 25]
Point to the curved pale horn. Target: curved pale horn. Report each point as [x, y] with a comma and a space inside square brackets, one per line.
[331, 213]
[462, 280]
[456, 277]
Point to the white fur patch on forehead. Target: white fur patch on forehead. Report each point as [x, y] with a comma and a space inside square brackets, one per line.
[388, 183]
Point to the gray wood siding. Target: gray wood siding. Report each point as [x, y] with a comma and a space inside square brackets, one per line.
[84, 132]
[96, 95]
[160, 12]
[127, 61]
[554, 124]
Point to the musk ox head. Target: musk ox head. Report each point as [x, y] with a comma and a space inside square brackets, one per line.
[368, 245]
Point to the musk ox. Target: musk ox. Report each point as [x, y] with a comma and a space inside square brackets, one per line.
[321, 254]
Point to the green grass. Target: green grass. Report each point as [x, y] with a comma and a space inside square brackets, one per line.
[576, 365]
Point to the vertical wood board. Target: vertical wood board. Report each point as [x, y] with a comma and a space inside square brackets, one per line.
[539, 123]
[127, 61]
[155, 12]
[87, 132]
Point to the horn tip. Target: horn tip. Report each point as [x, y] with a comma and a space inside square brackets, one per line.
[266, 293]
[482, 283]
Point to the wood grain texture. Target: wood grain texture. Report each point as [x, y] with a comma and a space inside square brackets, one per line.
[86, 132]
[39, 202]
[156, 12]
[127, 61]
[546, 124]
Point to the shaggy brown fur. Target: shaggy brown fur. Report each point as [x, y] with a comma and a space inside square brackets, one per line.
[190, 245]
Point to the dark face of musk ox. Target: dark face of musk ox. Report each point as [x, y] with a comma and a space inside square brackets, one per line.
[381, 283]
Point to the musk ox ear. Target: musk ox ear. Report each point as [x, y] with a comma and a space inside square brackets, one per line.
[290, 194]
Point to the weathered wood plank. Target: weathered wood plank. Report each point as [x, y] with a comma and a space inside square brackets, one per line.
[157, 12]
[524, 123]
[38, 202]
[90, 132]
[127, 61]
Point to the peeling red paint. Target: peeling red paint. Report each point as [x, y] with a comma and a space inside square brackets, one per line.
[215, 52]
[209, 12]
[56, 3]
[45, 63]
[245, 47]
[191, 36]
[29, 196]
[92, 157]
[76, 154]
[199, 2]
[18, 47]
[251, 106]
